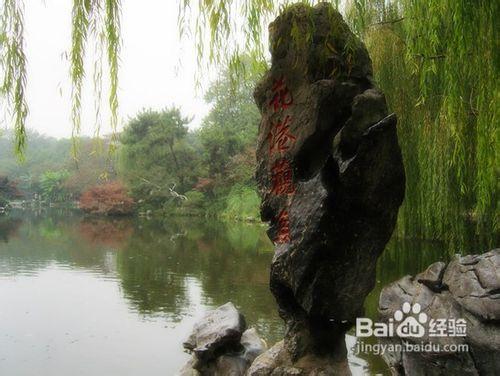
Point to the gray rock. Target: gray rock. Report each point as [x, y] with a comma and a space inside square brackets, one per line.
[466, 288]
[236, 364]
[330, 175]
[265, 363]
[474, 281]
[253, 345]
[219, 348]
[187, 369]
[218, 332]
[277, 362]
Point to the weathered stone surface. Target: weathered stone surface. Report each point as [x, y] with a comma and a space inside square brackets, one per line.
[218, 332]
[277, 362]
[236, 364]
[187, 369]
[330, 174]
[219, 348]
[253, 345]
[265, 363]
[474, 281]
[467, 288]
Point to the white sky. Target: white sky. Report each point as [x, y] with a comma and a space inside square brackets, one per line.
[156, 68]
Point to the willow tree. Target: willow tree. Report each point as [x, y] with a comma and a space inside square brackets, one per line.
[436, 60]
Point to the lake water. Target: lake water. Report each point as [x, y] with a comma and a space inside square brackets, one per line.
[88, 296]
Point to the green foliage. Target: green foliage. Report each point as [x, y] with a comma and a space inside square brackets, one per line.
[437, 63]
[13, 67]
[95, 20]
[157, 157]
[99, 21]
[211, 167]
[242, 203]
[231, 126]
[195, 201]
[8, 191]
[51, 185]
[227, 138]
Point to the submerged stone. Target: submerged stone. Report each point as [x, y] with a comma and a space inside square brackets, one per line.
[330, 175]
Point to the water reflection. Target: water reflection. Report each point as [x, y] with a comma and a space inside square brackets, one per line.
[8, 227]
[166, 274]
[135, 288]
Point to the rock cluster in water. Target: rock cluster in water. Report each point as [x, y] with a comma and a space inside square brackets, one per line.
[331, 179]
[221, 344]
[458, 304]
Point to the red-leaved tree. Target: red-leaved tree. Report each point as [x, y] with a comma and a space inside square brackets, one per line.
[107, 199]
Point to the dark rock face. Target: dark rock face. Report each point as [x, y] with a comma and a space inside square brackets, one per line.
[468, 289]
[330, 175]
[221, 345]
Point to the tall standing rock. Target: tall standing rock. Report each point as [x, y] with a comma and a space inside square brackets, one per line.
[330, 175]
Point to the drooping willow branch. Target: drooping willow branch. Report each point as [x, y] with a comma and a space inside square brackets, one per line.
[99, 21]
[439, 68]
[13, 67]
[92, 20]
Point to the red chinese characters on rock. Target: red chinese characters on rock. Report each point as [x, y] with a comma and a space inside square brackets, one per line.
[283, 228]
[282, 178]
[280, 138]
[281, 98]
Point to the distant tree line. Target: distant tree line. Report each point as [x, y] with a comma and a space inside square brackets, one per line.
[163, 165]
[49, 172]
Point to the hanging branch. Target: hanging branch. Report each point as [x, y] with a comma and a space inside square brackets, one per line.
[13, 64]
[101, 22]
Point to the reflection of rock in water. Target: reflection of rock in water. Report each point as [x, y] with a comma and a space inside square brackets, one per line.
[105, 231]
[331, 179]
[468, 288]
[9, 227]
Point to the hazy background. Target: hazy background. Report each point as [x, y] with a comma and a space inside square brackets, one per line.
[156, 69]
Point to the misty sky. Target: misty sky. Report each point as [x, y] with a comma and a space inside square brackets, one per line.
[150, 73]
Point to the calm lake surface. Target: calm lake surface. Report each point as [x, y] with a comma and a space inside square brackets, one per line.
[98, 296]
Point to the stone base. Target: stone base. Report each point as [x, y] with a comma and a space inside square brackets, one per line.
[277, 362]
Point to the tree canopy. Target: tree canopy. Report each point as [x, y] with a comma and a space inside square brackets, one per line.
[209, 170]
[157, 154]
